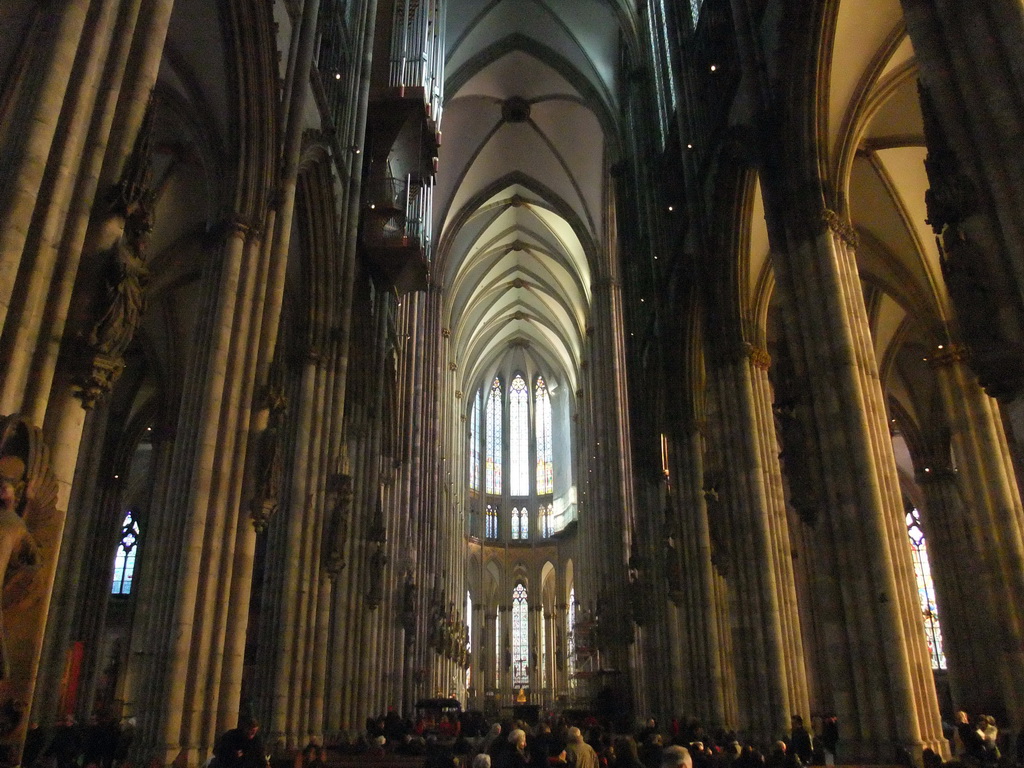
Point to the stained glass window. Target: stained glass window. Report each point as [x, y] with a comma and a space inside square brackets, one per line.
[695, 10]
[543, 649]
[925, 590]
[546, 521]
[520, 523]
[520, 638]
[570, 634]
[491, 522]
[497, 649]
[124, 558]
[519, 429]
[474, 442]
[493, 460]
[469, 621]
[545, 477]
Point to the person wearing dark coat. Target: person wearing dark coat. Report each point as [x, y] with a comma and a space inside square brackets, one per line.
[626, 755]
[800, 740]
[241, 747]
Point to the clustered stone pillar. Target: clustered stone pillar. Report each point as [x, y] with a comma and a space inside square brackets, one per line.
[86, 66]
[698, 635]
[984, 553]
[606, 517]
[767, 659]
[878, 665]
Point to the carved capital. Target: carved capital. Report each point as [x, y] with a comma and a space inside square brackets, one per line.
[759, 358]
[948, 354]
[98, 378]
[932, 475]
[840, 227]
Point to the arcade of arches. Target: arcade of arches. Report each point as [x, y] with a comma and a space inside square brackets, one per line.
[359, 351]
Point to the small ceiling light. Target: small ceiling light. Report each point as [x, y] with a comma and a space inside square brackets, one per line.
[672, 208]
[941, 347]
[927, 469]
[116, 476]
[372, 206]
[337, 75]
[689, 146]
[714, 67]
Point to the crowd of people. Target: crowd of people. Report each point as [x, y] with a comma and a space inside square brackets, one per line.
[467, 740]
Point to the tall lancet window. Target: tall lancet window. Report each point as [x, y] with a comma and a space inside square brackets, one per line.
[491, 522]
[545, 474]
[474, 442]
[492, 481]
[520, 523]
[570, 639]
[695, 11]
[124, 558]
[547, 521]
[497, 649]
[925, 589]
[519, 427]
[520, 638]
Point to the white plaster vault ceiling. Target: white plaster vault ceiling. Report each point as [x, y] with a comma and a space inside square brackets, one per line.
[521, 190]
[876, 150]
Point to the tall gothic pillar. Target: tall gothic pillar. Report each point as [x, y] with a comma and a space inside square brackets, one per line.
[878, 664]
[976, 207]
[993, 522]
[762, 593]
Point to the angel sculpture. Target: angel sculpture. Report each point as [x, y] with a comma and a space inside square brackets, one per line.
[27, 492]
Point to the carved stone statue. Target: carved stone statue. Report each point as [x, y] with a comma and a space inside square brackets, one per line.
[116, 313]
[378, 561]
[408, 616]
[18, 548]
[267, 472]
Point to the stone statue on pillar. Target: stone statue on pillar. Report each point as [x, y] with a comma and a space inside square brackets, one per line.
[267, 470]
[30, 528]
[121, 275]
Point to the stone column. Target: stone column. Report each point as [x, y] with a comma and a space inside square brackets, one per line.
[880, 669]
[753, 576]
[778, 529]
[699, 635]
[993, 520]
[37, 110]
[963, 605]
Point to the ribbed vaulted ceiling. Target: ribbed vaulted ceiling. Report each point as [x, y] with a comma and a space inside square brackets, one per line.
[521, 194]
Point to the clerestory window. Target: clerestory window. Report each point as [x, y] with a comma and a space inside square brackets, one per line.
[124, 557]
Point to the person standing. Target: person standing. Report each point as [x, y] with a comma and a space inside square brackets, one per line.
[241, 747]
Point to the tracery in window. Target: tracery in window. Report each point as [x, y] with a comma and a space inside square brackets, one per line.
[543, 649]
[925, 589]
[545, 474]
[497, 649]
[469, 621]
[520, 638]
[124, 558]
[492, 481]
[474, 443]
[491, 522]
[547, 521]
[520, 523]
[519, 434]
[570, 636]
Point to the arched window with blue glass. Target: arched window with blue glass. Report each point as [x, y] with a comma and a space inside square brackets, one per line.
[925, 588]
[520, 638]
[124, 557]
